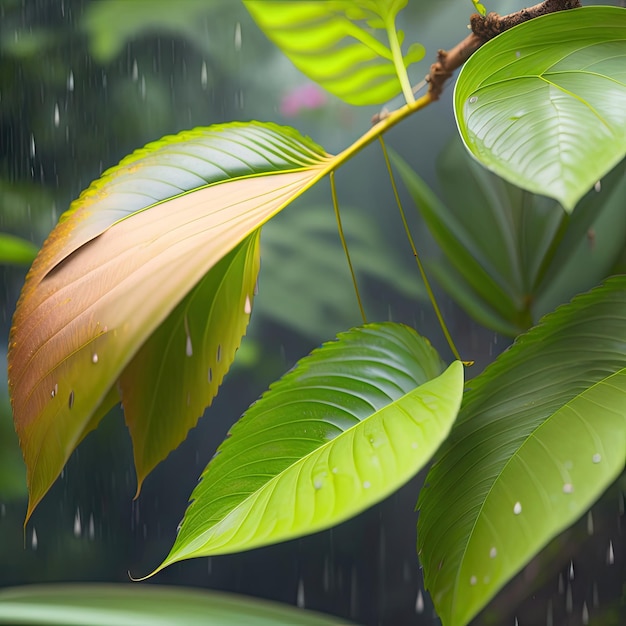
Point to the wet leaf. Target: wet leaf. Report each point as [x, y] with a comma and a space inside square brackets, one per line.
[345, 46]
[120, 261]
[143, 605]
[351, 423]
[542, 104]
[540, 436]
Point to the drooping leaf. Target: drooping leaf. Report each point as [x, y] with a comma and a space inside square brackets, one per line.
[350, 47]
[541, 434]
[346, 427]
[511, 256]
[16, 251]
[120, 261]
[145, 605]
[542, 105]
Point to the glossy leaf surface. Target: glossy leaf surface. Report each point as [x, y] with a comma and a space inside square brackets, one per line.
[511, 256]
[542, 105]
[349, 47]
[145, 605]
[540, 436]
[120, 261]
[346, 427]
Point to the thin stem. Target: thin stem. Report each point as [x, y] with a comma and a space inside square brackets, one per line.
[431, 295]
[398, 61]
[333, 193]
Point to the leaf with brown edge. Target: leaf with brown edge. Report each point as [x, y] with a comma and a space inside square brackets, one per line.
[112, 272]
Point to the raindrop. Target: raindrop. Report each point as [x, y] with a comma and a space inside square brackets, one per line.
[419, 602]
[189, 347]
[317, 483]
[300, 595]
[473, 580]
[94, 357]
[516, 623]
[247, 308]
[71, 400]
[589, 523]
[366, 484]
[610, 555]
[210, 375]
[91, 529]
[517, 508]
[204, 78]
[598, 186]
[33, 542]
[473, 100]
[70, 81]
[77, 526]
[218, 356]
[585, 615]
[518, 54]
[596, 458]
[568, 488]
[32, 146]
[54, 392]
[569, 602]
[135, 74]
[238, 36]
[57, 116]
[493, 553]
[570, 573]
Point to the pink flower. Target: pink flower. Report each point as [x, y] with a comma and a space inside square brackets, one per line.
[307, 96]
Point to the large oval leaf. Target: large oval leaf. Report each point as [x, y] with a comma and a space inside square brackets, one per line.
[350, 47]
[111, 272]
[541, 434]
[542, 105]
[142, 605]
[346, 427]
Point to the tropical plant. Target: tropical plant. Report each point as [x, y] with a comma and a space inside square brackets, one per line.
[143, 292]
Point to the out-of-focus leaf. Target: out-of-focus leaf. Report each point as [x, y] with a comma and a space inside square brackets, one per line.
[542, 105]
[350, 47]
[305, 283]
[541, 434]
[16, 251]
[346, 427]
[120, 261]
[510, 256]
[145, 605]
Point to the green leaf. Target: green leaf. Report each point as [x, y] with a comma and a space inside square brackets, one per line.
[118, 264]
[511, 256]
[345, 428]
[144, 605]
[349, 47]
[16, 251]
[542, 104]
[540, 436]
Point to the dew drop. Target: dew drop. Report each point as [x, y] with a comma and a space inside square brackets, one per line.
[473, 100]
[247, 308]
[204, 78]
[238, 36]
[493, 553]
[518, 54]
[77, 525]
[366, 484]
[473, 580]
[596, 458]
[57, 116]
[317, 483]
[94, 358]
[598, 186]
[419, 602]
[568, 488]
[70, 402]
[33, 542]
[300, 595]
[54, 391]
[517, 508]
[70, 81]
[610, 554]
